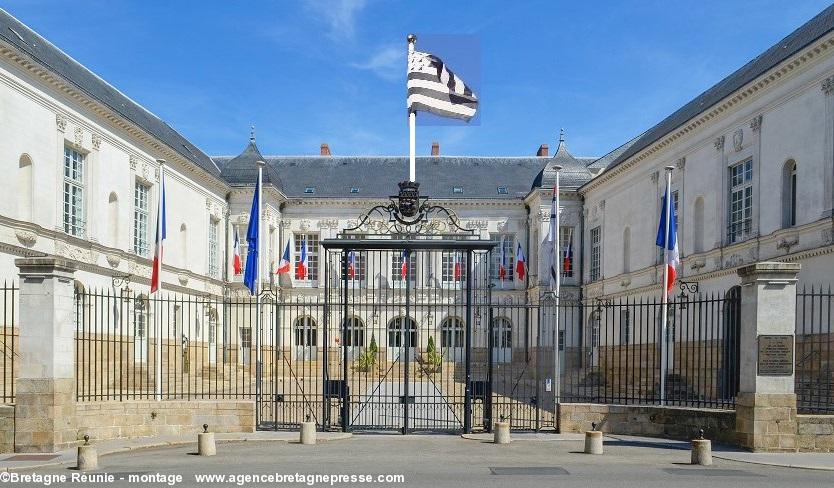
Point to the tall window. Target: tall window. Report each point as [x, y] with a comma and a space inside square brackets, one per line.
[507, 244]
[355, 332]
[596, 245]
[566, 243]
[502, 333]
[359, 261]
[789, 194]
[140, 218]
[397, 267]
[449, 261]
[213, 250]
[625, 326]
[740, 217]
[451, 333]
[312, 241]
[73, 192]
[627, 250]
[698, 225]
[25, 180]
[306, 332]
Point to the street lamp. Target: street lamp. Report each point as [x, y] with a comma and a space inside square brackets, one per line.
[686, 287]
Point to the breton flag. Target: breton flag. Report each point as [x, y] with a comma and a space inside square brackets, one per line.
[250, 276]
[404, 265]
[502, 266]
[352, 265]
[669, 243]
[301, 265]
[286, 261]
[567, 262]
[552, 238]
[238, 266]
[457, 270]
[432, 87]
[520, 264]
[160, 237]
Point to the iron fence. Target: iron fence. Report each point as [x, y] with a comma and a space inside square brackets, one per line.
[9, 334]
[814, 380]
[611, 351]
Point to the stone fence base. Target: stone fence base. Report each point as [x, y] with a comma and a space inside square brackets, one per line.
[6, 428]
[815, 433]
[145, 418]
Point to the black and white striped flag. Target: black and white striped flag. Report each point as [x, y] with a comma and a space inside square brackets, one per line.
[433, 87]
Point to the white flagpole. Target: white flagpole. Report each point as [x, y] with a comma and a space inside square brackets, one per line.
[555, 256]
[157, 373]
[259, 284]
[664, 311]
[412, 126]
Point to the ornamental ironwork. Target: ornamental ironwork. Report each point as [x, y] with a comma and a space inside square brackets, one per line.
[409, 214]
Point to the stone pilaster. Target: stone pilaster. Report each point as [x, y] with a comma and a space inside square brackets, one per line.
[45, 418]
[766, 403]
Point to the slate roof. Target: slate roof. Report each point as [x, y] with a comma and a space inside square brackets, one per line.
[243, 168]
[787, 47]
[44, 53]
[573, 175]
[377, 176]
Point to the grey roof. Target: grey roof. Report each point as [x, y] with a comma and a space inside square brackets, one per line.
[44, 53]
[377, 176]
[243, 168]
[573, 174]
[782, 50]
[603, 162]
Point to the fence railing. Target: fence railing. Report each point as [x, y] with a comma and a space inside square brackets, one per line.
[612, 352]
[8, 341]
[814, 351]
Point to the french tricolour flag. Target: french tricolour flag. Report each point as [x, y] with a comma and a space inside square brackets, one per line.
[457, 269]
[286, 261]
[236, 262]
[352, 265]
[160, 237]
[520, 262]
[502, 266]
[301, 265]
[404, 265]
[669, 243]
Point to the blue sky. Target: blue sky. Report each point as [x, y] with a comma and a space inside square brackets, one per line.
[307, 72]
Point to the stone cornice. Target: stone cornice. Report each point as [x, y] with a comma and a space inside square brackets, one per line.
[745, 95]
[69, 90]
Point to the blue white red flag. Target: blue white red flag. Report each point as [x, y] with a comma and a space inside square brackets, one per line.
[286, 260]
[253, 233]
[301, 267]
[520, 262]
[669, 243]
[502, 266]
[404, 265]
[352, 265]
[457, 268]
[567, 260]
[160, 238]
[236, 262]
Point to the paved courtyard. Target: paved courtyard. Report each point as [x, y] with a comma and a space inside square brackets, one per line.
[435, 460]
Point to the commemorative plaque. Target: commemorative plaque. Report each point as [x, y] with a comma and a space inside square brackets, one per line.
[775, 355]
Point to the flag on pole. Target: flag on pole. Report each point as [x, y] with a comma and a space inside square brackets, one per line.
[552, 237]
[502, 266]
[250, 276]
[236, 263]
[520, 264]
[160, 238]
[434, 88]
[404, 264]
[567, 261]
[457, 269]
[352, 265]
[669, 243]
[301, 267]
[286, 261]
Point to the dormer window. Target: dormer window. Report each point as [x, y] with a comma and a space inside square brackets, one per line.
[502, 190]
[310, 189]
[354, 189]
[457, 190]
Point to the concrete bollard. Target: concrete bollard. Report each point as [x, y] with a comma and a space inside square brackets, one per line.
[308, 432]
[205, 442]
[501, 433]
[701, 451]
[87, 459]
[593, 440]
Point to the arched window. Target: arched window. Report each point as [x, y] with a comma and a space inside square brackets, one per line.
[698, 225]
[627, 250]
[184, 245]
[397, 330]
[306, 332]
[451, 333]
[502, 333]
[355, 332]
[25, 181]
[789, 194]
[113, 219]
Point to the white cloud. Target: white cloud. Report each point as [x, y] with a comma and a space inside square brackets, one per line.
[340, 16]
[387, 63]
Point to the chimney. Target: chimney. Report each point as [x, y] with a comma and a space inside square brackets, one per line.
[435, 148]
[543, 151]
[325, 149]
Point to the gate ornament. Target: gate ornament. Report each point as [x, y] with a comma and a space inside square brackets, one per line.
[410, 214]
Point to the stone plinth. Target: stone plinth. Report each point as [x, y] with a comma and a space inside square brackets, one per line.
[45, 419]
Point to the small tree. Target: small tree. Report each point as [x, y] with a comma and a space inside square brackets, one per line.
[433, 358]
[367, 359]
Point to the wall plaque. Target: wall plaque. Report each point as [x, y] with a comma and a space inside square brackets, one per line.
[775, 355]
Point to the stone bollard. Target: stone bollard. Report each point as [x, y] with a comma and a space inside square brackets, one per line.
[501, 433]
[205, 442]
[593, 440]
[701, 451]
[87, 456]
[308, 432]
